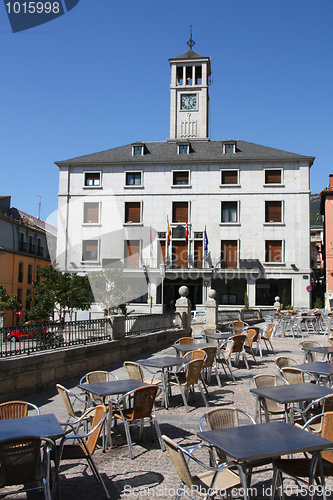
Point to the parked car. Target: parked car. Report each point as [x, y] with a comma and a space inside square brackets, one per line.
[197, 315]
[27, 332]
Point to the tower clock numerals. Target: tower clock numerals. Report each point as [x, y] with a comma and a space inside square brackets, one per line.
[188, 101]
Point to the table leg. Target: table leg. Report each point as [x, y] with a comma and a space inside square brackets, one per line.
[165, 387]
[243, 478]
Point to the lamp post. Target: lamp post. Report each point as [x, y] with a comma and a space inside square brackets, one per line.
[162, 273]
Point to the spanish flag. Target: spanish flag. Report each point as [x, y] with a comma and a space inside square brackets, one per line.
[168, 231]
[186, 233]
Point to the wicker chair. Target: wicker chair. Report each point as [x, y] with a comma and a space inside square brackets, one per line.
[300, 468]
[184, 340]
[223, 358]
[207, 484]
[266, 336]
[187, 378]
[293, 375]
[69, 399]
[16, 409]
[25, 460]
[239, 349]
[141, 406]
[284, 362]
[135, 372]
[273, 409]
[252, 337]
[309, 356]
[83, 446]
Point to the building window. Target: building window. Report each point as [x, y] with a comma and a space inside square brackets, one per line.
[22, 243]
[198, 254]
[29, 274]
[20, 272]
[132, 212]
[40, 249]
[28, 300]
[38, 273]
[229, 177]
[92, 179]
[179, 254]
[137, 150]
[180, 75]
[273, 251]
[181, 178]
[91, 213]
[229, 258]
[183, 149]
[229, 147]
[273, 211]
[229, 211]
[32, 246]
[133, 178]
[179, 211]
[132, 253]
[273, 176]
[90, 250]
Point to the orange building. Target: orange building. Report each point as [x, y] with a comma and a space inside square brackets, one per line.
[326, 209]
[26, 244]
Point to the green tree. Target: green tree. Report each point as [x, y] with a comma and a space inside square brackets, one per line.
[246, 302]
[7, 303]
[284, 299]
[111, 289]
[59, 292]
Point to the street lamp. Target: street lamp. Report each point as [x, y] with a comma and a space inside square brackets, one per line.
[162, 273]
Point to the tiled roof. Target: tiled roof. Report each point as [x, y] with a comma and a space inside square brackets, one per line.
[201, 152]
[190, 54]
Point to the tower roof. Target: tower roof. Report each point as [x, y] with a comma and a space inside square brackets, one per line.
[190, 54]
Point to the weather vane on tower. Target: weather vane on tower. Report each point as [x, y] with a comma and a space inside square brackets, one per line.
[191, 42]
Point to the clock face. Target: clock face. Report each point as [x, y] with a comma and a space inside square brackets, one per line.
[188, 101]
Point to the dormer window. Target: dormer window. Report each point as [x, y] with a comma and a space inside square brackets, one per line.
[183, 149]
[138, 149]
[229, 147]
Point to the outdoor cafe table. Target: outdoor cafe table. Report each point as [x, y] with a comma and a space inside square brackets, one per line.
[264, 441]
[112, 388]
[164, 363]
[325, 350]
[219, 337]
[289, 393]
[37, 425]
[190, 347]
[318, 369]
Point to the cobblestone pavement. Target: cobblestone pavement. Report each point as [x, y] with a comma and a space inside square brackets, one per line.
[151, 474]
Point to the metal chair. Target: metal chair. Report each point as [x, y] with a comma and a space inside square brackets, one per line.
[252, 337]
[83, 446]
[301, 468]
[16, 409]
[266, 335]
[135, 372]
[184, 340]
[284, 362]
[207, 484]
[309, 356]
[268, 380]
[25, 460]
[69, 399]
[140, 406]
[293, 375]
[187, 378]
[239, 349]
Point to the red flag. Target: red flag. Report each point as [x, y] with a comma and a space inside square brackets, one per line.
[186, 233]
[168, 231]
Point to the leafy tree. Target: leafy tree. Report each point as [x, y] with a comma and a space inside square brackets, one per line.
[7, 303]
[60, 292]
[246, 302]
[111, 289]
[284, 299]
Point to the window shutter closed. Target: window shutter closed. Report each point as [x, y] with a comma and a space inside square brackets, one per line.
[229, 177]
[198, 254]
[229, 253]
[132, 212]
[91, 246]
[179, 254]
[180, 177]
[91, 212]
[273, 211]
[273, 251]
[179, 211]
[272, 176]
[162, 252]
[132, 253]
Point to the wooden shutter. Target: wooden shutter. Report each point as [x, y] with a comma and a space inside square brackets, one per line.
[198, 254]
[229, 177]
[179, 254]
[132, 212]
[273, 251]
[229, 254]
[273, 211]
[179, 211]
[162, 252]
[90, 250]
[272, 176]
[91, 212]
[180, 177]
[132, 253]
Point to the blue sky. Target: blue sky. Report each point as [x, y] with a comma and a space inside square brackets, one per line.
[98, 77]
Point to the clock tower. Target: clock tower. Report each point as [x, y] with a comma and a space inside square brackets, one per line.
[189, 96]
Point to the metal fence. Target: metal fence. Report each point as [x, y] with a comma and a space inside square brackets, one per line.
[34, 337]
[147, 323]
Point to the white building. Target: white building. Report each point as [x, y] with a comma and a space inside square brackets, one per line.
[238, 212]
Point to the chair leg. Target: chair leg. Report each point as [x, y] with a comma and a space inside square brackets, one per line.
[98, 476]
[128, 437]
[218, 377]
[245, 359]
[203, 394]
[158, 432]
[184, 398]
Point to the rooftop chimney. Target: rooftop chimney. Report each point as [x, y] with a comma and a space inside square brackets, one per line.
[331, 180]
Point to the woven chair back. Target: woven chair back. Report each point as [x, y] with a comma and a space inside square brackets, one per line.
[20, 460]
[179, 462]
[143, 401]
[13, 409]
[134, 370]
[292, 375]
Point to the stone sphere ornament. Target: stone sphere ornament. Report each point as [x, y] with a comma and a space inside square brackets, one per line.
[183, 291]
[212, 294]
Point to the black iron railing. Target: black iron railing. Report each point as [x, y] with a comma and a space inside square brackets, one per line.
[146, 323]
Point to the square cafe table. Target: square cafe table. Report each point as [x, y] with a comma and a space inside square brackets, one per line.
[317, 368]
[190, 347]
[264, 441]
[164, 363]
[291, 393]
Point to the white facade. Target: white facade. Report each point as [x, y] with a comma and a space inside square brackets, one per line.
[252, 203]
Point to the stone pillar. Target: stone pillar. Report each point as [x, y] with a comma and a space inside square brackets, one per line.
[183, 307]
[118, 327]
[211, 311]
[277, 304]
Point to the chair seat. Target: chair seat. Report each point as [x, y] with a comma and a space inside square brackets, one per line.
[128, 414]
[156, 381]
[225, 480]
[300, 466]
[73, 451]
